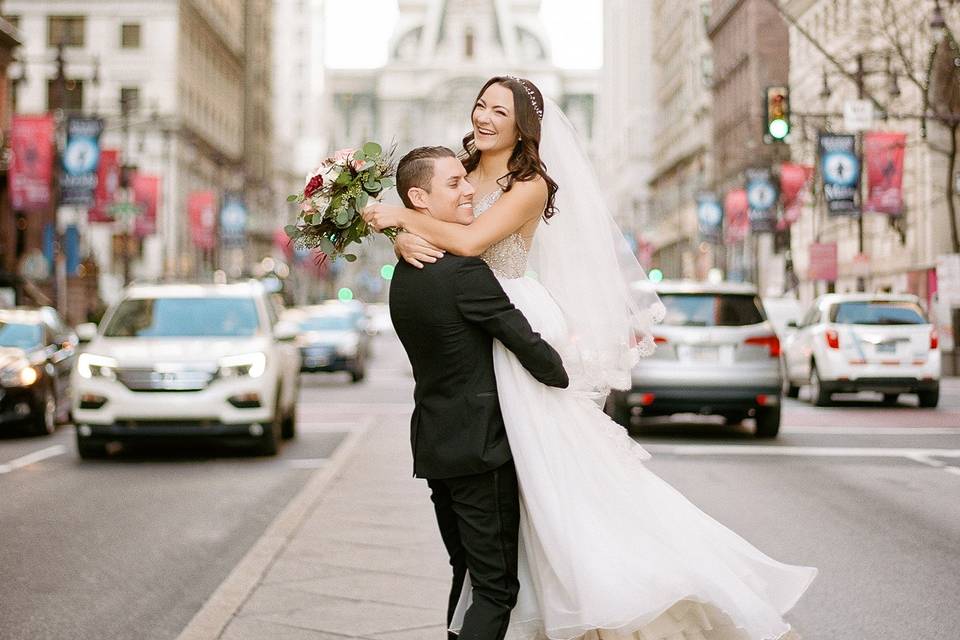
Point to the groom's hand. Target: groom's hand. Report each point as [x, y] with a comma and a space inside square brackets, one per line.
[415, 250]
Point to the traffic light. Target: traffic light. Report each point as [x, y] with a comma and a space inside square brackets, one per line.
[777, 120]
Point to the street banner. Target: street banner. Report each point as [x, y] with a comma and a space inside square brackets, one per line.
[794, 190]
[81, 157]
[736, 215]
[233, 221]
[108, 181]
[709, 216]
[202, 211]
[31, 162]
[823, 261]
[883, 153]
[840, 169]
[146, 193]
[762, 200]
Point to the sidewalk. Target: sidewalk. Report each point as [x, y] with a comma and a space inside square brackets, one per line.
[359, 556]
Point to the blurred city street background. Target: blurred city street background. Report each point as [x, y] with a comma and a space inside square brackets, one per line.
[187, 398]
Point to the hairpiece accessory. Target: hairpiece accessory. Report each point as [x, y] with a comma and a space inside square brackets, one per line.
[533, 97]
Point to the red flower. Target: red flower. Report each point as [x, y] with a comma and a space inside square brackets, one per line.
[315, 184]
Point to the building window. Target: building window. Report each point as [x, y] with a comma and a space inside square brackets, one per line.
[468, 44]
[67, 30]
[130, 35]
[70, 99]
[129, 99]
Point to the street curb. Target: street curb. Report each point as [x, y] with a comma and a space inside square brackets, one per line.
[212, 618]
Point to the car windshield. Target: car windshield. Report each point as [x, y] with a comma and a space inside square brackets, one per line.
[877, 312]
[327, 323]
[20, 335]
[184, 318]
[711, 309]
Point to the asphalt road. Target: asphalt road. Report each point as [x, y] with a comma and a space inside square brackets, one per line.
[131, 547]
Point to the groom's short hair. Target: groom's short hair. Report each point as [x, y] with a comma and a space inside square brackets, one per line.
[416, 170]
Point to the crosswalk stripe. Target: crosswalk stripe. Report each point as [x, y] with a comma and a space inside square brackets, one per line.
[31, 458]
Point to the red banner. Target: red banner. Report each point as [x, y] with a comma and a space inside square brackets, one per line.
[795, 180]
[883, 154]
[108, 181]
[736, 211]
[202, 210]
[146, 193]
[31, 162]
[823, 261]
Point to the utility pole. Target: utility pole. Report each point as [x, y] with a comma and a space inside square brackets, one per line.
[860, 75]
[58, 99]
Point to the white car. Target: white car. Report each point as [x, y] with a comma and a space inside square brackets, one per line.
[864, 342]
[187, 360]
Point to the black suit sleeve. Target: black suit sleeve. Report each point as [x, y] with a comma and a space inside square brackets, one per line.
[482, 301]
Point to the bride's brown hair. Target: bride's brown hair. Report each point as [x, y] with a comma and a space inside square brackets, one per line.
[524, 163]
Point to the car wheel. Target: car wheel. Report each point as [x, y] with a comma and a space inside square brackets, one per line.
[791, 390]
[818, 395]
[768, 422]
[269, 442]
[358, 375]
[288, 429]
[45, 418]
[735, 418]
[90, 449]
[891, 398]
[620, 412]
[929, 399]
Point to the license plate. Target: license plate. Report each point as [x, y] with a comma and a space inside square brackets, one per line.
[887, 347]
[701, 354]
[317, 362]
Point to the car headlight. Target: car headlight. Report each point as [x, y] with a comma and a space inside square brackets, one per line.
[19, 374]
[90, 365]
[248, 364]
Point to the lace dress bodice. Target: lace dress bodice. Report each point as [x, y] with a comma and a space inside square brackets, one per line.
[507, 258]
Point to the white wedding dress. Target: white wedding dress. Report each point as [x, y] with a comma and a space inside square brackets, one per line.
[608, 550]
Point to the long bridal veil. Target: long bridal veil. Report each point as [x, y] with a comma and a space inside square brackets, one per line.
[582, 258]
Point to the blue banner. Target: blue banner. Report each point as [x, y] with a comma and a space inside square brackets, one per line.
[840, 170]
[762, 196]
[709, 216]
[81, 157]
[233, 221]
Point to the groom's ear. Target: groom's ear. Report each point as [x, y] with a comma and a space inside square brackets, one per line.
[418, 197]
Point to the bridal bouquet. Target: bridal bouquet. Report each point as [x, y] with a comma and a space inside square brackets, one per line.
[334, 197]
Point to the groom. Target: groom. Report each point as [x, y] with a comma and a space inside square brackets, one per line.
[447, 315]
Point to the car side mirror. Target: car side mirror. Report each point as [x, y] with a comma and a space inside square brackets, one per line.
[86, 331]
[285, 331]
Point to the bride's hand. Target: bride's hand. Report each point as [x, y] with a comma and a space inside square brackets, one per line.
[382, 216]
[416, 250]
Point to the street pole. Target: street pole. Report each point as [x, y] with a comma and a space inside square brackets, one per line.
[861, 281]
[59, 265]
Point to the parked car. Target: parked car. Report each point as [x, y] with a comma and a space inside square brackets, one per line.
[864, 342]
[188, 360]
[716, 354]
[378, 318]
[781, 312]
[331, 338]
[37, 351]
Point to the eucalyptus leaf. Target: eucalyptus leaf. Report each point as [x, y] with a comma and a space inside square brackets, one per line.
[373, 186]
[372, 149]
[292, 197]
[343, 217]
[362, 200]
[386, 183]
[292, 231]
[326, 246]
[349, 257]
[361, 154]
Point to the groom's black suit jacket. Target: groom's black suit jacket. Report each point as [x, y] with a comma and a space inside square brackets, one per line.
[446, 316]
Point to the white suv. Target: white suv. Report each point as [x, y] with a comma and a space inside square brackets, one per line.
[864, 342]
[187, 360]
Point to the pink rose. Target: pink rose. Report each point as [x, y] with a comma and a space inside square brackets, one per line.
[343, 155]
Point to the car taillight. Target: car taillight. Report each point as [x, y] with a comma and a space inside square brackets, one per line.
[934, 339]
[833, 338]
[771, 342]
[659, 339]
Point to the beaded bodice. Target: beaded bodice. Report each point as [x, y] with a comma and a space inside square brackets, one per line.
[507, 258]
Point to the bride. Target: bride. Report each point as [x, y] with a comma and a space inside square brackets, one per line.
[608, 550]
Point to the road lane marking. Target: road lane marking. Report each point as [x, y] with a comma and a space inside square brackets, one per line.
[954, 470]
[31, 458]
[825, 452]
[874, 431]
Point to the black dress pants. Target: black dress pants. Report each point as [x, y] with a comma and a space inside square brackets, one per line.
[479, 518]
